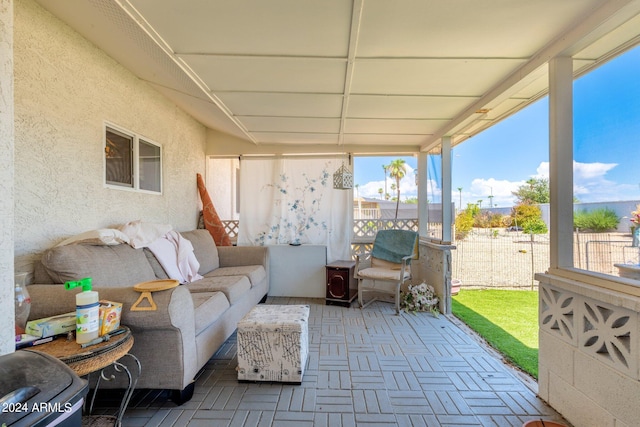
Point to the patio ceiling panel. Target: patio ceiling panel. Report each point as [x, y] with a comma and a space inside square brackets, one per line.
[392, 126]
[405, 107]
[269, 74]
[283, 104]
[382, 139]
[438, 77]
[251, 27]
[464, 28]
[291, 124]
[296, 138]
[360, 72]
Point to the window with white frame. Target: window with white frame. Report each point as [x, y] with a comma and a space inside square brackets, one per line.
[131, 161]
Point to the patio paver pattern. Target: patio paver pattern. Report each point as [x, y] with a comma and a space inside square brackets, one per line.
[366, 367]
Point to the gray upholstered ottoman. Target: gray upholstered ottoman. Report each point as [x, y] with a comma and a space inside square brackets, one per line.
[273, 343]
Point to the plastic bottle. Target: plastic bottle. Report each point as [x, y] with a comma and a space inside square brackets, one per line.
[87, 311]
[22, 302]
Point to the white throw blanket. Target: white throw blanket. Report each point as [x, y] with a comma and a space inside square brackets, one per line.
[175, 254]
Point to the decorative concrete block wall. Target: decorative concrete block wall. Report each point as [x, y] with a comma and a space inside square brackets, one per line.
[588, 357]
[434, 268]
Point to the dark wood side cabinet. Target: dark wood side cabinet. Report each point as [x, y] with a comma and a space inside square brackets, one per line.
[342, 287]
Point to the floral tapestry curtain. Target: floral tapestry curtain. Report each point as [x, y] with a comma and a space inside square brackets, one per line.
[292, 201]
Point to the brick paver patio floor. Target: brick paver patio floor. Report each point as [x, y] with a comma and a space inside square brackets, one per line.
[366, 367]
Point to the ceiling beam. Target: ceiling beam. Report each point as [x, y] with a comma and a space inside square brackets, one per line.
[137, 17]
[586, 30]
[356, 20]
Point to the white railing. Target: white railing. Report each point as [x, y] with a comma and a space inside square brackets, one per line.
[366, 213]
[364, 230]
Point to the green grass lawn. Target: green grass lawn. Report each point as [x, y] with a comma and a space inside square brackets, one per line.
[508, 320]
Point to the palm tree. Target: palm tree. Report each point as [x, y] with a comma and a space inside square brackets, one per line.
[385, 169]
[359, 201]
[397, 170]
[380, 191]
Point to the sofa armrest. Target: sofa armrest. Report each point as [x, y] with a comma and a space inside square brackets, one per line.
[173, 305]
[234, 256]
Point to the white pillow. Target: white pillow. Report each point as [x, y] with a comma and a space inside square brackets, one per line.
[141, 233]
[103, 236]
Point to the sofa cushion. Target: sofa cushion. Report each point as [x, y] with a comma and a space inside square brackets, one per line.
[209, 306]
[155, 264]
[255, 273]
[233, 287]
[119, 265]
[204, 248]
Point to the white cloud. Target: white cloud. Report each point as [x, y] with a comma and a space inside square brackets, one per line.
[591, 171]
[590, 185]
[408, 186]
[542, 171]
[501, 190]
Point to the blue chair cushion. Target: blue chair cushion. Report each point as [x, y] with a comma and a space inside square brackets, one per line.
[393, 245]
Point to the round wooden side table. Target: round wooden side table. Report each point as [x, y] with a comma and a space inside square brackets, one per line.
[103, 358]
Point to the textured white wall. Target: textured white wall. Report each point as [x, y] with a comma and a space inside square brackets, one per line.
[65, 88]
[222, 183]
[6, 176]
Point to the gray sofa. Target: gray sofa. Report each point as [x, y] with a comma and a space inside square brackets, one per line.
[192, 320]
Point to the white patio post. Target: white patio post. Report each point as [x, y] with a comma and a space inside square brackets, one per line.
[423, 206]
[7, 137]
[561, 161]
[446, 189]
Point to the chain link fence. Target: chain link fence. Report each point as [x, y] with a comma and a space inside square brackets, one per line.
[498, 258]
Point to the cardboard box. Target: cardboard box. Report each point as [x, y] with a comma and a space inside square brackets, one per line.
[110, 313]
[51, 326]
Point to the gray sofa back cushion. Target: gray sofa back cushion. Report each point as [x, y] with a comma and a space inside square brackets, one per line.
[118, 265]
[204, 248]
[158, 270]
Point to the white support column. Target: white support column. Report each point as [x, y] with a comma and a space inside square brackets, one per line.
[7, 144]
[561, 161]
[423, 206]
[446, 189]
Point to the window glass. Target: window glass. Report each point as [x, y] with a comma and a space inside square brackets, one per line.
[150, 166]
[606, 184]
[131, 162]
[434, 194]
[119, 159]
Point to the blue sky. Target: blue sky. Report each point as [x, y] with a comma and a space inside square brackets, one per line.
[498, 160]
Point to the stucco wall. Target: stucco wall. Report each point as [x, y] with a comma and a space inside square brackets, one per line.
[6, 176]
[65, 88]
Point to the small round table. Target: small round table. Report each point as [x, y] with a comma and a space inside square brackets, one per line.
[101, 357]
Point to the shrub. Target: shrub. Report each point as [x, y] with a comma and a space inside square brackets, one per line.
[489, 220]
[598, 220]
[496, 220]
[534, 226]
[464, 224]
[482, 220]
[529, 217]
